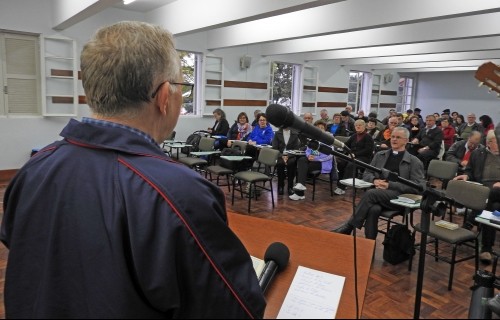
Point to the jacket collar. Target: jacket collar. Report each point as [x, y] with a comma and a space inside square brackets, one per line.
[119, 139]
[406, 156]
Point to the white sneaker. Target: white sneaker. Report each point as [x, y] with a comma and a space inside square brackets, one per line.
[296, 197]
[300, 186]
[339, 191]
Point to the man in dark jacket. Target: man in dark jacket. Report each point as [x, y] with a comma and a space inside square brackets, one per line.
[375, 200]
[102, 224]
[428, 143]
[461, 151]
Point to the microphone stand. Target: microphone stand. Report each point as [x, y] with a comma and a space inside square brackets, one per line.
[427, 205]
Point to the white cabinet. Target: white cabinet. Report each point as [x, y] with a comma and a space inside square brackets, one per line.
[60, 76]
[214, 83]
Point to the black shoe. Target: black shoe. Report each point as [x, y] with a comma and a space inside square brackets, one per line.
[345, 228]
[290, 191]
[280, 191]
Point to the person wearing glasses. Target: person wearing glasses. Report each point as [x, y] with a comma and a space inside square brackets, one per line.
[373, 201]
[102, 224]
[383, 141]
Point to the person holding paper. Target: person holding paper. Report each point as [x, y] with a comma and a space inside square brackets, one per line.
[484, 167]
[102, 224]
[397, 160]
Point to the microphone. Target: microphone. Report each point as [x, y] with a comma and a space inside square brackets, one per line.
[280, 116]
[276, 258]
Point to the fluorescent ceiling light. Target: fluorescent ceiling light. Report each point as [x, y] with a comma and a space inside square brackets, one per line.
[125, 2]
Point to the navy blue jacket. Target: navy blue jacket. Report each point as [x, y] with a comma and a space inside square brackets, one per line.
[103, 225]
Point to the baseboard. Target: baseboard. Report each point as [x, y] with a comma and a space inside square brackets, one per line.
[7, 175]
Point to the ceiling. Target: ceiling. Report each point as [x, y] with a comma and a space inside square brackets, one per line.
[407, 35]
[143, 5]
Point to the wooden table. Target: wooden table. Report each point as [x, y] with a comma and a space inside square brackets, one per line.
[312, 248]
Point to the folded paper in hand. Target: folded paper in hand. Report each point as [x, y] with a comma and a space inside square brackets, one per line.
[410, 198]
[358, 183]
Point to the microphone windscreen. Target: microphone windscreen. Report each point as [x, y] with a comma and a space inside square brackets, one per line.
[277, 114]
[279, 253]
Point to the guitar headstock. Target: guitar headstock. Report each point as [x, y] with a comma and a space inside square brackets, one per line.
[489, 74]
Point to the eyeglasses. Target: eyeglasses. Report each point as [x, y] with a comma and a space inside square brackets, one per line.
[190, 88]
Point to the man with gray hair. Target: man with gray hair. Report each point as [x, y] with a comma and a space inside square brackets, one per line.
[461, 151]
[102, 224]
[396, 160]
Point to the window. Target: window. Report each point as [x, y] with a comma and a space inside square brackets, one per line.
[191, 69]
[285, 85]
[405, 94]
[359, 92]
[19, 74]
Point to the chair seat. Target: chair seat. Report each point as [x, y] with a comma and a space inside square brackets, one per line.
[191, 162]
[389, 214]
[219, 170]
[251, 176]
[450, 236]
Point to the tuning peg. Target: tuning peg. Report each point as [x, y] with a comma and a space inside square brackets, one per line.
[480, 84]
[489, 90]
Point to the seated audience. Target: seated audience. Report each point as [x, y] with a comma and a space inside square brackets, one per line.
[448, 133]
[240, 129]
[324, 116]
[362, 147]
[372, 129]
[220, 128]
[461, 151]
[346, 126]
[486, 123]
[255, 121]
[484, 167]
[375, 200]
[335, 126]
[383, 140]
[427, 144]
[470, 126]
[313, 161]
[361, 116]
[262, 134]
[286, 139]
[413, 126]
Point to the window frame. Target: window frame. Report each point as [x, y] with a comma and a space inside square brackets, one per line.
[198, 84]
[405, 99]
[296, 79]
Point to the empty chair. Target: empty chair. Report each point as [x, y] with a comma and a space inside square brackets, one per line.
[472, 196]
[206, 144]
[267, 157]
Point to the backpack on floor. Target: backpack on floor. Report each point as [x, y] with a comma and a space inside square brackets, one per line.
[398, 244]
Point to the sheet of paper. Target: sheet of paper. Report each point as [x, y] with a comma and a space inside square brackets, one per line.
[313, 294]
[258, 265]
[488, 215]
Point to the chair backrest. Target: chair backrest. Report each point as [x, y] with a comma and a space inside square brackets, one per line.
[439, 169]
[471, 195]
[206, 144]
[241, 144]
[268, 156]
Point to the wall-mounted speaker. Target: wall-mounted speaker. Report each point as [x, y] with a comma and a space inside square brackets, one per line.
[245, 62]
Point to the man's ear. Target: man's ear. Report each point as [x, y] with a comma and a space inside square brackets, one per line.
[161, 100]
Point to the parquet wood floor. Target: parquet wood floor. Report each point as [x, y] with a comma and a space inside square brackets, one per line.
[391, 289]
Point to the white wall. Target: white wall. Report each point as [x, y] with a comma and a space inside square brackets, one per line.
[457, 91]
